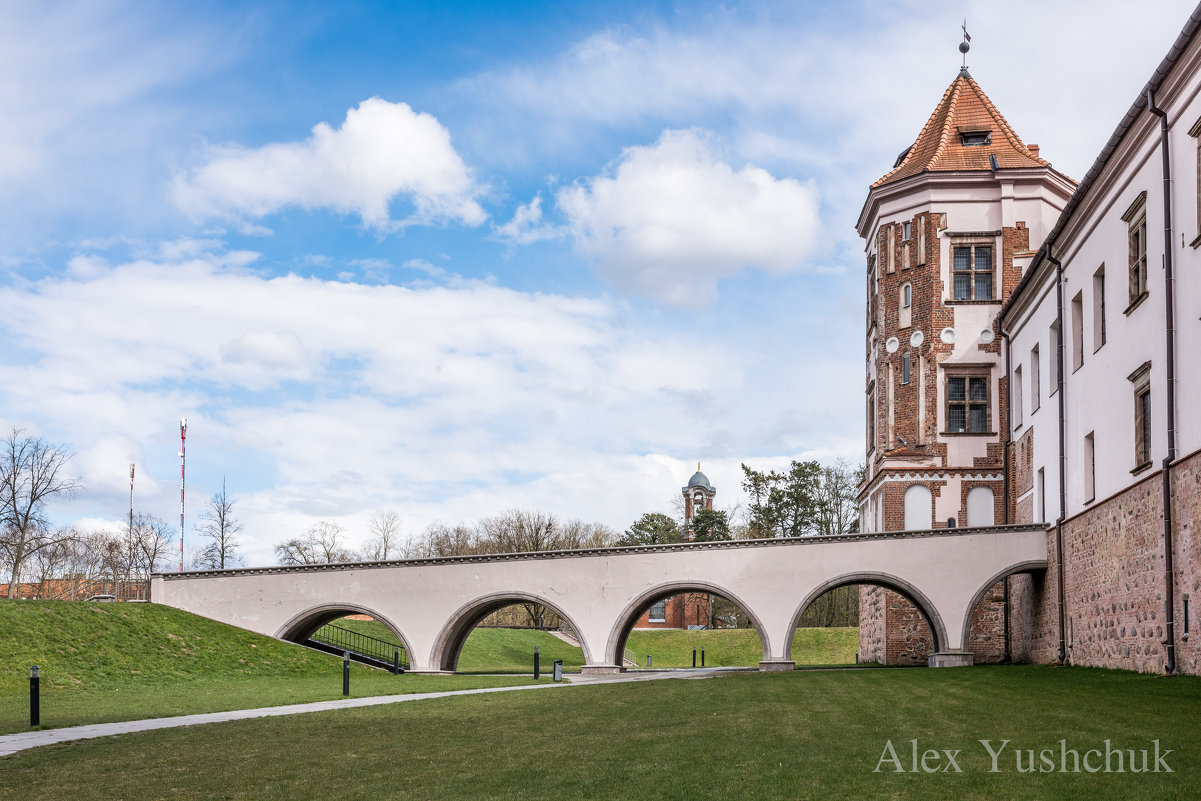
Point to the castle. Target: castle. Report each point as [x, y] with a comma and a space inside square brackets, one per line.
[1031, 348]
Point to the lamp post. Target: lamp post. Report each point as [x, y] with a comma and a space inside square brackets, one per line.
[35, 705]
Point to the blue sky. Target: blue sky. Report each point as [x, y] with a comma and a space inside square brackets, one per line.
[451, 258]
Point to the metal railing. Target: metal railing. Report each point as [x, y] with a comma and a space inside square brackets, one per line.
[362, 647]
[629, 656]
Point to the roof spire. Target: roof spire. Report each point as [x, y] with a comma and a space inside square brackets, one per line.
[698, 466]
[965, 46]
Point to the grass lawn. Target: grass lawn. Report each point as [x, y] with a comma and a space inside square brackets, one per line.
[741, 647]
[492, 650]
[799, 735]
[105, 662]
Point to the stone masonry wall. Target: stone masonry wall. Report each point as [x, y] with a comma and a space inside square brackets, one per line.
[872, 646]
[1186, 493]
[1113, 581]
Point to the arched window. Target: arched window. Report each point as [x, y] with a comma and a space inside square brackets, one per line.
[980, 507]
[919, 511]
[905, 313]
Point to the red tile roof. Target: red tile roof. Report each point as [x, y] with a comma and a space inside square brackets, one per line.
[964, 107]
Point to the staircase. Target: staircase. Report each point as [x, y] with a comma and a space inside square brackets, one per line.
[362, 648]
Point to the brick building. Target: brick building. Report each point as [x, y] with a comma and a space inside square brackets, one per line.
[1024, 342]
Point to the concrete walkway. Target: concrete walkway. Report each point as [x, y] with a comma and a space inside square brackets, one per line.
[12, 743]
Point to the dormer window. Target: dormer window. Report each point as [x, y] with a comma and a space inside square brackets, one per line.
[974, 136]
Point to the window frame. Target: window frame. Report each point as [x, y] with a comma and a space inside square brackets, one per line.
[1136, 239]
[1141, 382]
[1035, 379]
[1017, 397]
[974, 272]
[966, 373]
[650, 612]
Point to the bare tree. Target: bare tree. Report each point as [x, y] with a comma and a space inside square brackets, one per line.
[32, 472]
[219, 526]
[152, 537]
[836, 495]
[321, 544]
[439, 539]
[385, 535]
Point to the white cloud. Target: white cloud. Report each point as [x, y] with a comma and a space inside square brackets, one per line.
[382, 151]
[672, 219]
[318, 399]
[527, 226]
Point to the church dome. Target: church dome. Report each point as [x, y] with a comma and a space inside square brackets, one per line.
[699, 479]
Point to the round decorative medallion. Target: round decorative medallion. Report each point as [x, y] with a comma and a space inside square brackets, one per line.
[892, 344]
[987, 336]
[948, 336]
[916, 338]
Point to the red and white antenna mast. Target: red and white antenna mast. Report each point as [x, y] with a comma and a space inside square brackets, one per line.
[183, 440]
[131, 503]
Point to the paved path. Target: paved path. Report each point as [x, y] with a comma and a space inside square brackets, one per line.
[11, 743]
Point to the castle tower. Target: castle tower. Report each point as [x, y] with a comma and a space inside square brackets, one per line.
[948, 234]
[698, 494]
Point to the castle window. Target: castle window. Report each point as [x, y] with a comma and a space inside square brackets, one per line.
[905, 313]
[1136, 218]
[658, 612]
[905, 368]
[967, 403]
[973, 272]
[1099, 309]
[1017, 397]
[907, 231]
[1090, 468]
[871, 417]
[1078, 331]
[1035, 381]
[1141, 378]
[1195, 132]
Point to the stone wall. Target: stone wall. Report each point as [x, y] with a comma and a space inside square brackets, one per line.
[1186, 502]
[872, 645]
[1114, 581]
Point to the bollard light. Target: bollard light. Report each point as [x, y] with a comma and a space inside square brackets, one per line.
[35, 701]
[535, 663]
[346, 673]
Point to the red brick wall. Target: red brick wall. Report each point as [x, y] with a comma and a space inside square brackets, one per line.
[686, 609]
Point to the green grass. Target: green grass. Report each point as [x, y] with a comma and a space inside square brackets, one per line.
[105, 662]
[511, 650]
[741, 647]
[493, 650]
[798, 735]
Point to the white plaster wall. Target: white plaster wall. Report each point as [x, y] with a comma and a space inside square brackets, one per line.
[602, 591]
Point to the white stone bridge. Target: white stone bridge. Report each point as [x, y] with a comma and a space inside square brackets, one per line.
[433, 604]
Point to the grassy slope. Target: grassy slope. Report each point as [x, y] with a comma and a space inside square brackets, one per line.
[103, 662]
[511, 650]
[802, 735]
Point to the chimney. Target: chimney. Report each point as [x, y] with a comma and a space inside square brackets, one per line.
[1033, 150]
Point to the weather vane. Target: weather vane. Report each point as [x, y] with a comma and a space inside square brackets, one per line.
[966, 44]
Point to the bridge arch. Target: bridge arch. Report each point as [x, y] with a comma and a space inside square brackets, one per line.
[454, 633]
[629, 616]
[929, 612]
[1012, 570]
[302, 625]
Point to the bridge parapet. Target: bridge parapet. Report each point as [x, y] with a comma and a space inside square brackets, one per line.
[433, 603]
